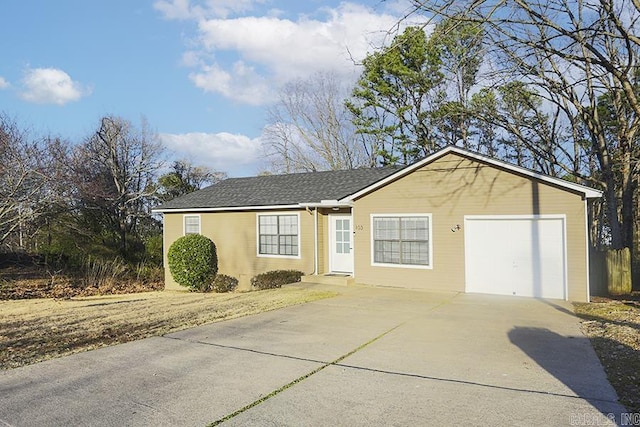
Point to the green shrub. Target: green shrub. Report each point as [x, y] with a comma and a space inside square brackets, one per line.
[193, 262]
[224, 283]
[275, 279]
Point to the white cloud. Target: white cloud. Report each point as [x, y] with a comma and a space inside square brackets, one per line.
[267, 51]
[50, 86]
[3, 83]
[238, 155]
[185, 9]
[241, 84]
[174, 9]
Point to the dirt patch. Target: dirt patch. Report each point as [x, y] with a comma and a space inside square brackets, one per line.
[40, 329]
[613, 326]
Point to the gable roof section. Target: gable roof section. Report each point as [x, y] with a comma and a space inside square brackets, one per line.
[586, 192]
[277, 191]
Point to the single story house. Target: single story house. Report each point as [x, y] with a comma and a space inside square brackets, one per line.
[454, 221]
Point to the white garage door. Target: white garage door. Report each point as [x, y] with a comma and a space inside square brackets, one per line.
[522, 256]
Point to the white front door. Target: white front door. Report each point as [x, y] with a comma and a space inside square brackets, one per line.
[340, 244]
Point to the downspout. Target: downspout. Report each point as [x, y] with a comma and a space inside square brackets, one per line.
[588, 248]
[165, 250]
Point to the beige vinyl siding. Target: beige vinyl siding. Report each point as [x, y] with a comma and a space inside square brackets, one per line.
[235, 236]
[450, 188]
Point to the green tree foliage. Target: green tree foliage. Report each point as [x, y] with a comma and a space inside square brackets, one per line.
[393, 99]
[461, 53]
[521, 129]
[185, 178]
[413, 97]
[193, 262]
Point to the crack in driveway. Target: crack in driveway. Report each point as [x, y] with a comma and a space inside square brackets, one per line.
[248, 350]
[472, 383]
[303, 377]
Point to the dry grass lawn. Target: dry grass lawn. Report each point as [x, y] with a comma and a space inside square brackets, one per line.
[40, 329]
[613, 326]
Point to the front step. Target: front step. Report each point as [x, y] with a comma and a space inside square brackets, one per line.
[329, 279]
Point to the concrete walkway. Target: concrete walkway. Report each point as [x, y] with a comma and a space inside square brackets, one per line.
[371, 356]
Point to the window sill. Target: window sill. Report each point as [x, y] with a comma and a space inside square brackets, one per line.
[411, 266]
[278, 256]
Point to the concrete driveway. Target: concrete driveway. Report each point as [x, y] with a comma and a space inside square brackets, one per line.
[371, 356]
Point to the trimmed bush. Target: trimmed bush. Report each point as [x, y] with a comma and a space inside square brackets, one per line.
[224, 283]
[275, 279]
[193, 262]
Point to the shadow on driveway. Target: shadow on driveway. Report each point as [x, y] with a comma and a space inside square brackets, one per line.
[565, 359]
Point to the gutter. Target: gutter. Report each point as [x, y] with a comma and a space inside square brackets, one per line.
[227, 209]
[327, 204]
[321, 204]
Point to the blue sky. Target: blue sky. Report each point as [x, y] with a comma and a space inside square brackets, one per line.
[201, 72]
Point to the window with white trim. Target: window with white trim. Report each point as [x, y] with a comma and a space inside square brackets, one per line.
[402, 240]
[191, 224]
[278, 235]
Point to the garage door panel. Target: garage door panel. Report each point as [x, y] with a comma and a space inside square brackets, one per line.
[483, 256]
[515, 256]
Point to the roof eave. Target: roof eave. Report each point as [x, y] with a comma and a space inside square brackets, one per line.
[227, 208]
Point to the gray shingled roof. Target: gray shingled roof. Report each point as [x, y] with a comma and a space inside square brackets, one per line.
[273, 190]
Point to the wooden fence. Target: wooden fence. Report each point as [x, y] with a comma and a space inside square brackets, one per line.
[611, 272]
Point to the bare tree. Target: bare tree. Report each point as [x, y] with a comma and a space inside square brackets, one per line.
[30, 184]
[116, 171]
[309, 129]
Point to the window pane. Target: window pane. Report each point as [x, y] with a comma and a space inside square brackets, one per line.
[387, 252]
[414, 228]
[191, 224]
[386, 228]
[269, 245]
[288, 224]
[268, 224]
[377, 251]
[416, 253]
[288, 245]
